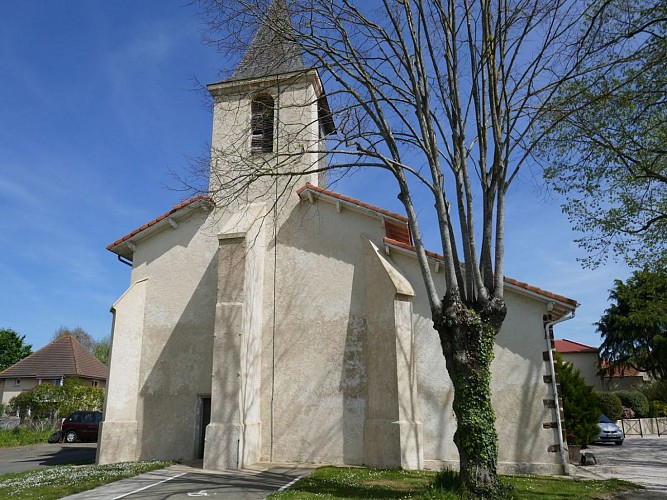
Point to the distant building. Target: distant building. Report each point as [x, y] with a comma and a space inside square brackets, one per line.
[616, 379]
[63, 358]
[585, 358]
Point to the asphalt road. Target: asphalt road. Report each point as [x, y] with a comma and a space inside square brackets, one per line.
[640, 460]
[32, 457]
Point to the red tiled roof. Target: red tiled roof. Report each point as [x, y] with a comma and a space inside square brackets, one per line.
[173, 210]
[539, 291]
[342, 197]
[615, 371]
[570, 346]
[65, 356]
[507, 280]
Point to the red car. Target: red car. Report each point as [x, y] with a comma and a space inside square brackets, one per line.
[81, 426]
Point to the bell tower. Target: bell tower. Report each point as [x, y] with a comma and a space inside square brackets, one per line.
[270, 117]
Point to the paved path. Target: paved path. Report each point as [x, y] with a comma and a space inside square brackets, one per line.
[23, 458]
[640, 460]
[186, 482]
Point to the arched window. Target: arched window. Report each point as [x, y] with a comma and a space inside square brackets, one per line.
[262, 124]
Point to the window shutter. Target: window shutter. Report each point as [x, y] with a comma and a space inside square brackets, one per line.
[261, 124]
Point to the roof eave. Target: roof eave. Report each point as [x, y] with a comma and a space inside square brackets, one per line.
[561, 306]
[252, 83]
[125, 246]
[310, 192]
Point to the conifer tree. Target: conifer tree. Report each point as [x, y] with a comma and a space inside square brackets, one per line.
[579, 405]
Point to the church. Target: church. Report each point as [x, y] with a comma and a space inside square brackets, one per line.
[290, 324]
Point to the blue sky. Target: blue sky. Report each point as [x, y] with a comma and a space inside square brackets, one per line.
[97, 105]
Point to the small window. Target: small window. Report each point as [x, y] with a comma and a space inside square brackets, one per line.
[17, 382]
[93, 383]
[262, 125]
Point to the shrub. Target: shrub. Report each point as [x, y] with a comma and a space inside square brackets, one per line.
[658, 409]
[47, 402]
[609, 404]
[655, 391]
[635, 400]
[579, 405]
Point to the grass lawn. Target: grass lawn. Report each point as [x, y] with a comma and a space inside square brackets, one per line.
[57, 482]
[19, 436]
[359, 483]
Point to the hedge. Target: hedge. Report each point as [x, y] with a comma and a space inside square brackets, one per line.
[635, 400]
[609, 404]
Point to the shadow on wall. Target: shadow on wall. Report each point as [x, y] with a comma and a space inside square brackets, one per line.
[521, 398]
[435, 399]
[181, 360]
[320, 393]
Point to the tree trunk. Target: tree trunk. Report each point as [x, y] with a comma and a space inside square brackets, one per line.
[467, 338]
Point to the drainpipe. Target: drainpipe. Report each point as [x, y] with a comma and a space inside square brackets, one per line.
[561, 443]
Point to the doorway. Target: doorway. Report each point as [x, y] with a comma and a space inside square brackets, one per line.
[204, 418]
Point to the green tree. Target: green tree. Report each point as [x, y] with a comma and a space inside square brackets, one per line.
[634, 327]
[102, 348]
[606, 137]
[12, 348]
[579, 405]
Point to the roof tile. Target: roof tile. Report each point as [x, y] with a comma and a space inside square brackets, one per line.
[570, 346]
[65, 356]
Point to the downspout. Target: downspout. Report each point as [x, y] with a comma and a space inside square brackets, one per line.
[561, 444]
[275, 274]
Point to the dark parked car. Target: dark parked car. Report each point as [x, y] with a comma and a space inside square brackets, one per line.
[609, 431]
[81, 426]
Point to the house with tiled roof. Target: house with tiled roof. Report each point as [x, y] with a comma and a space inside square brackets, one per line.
[616, 378]
[63, 358]
[291, 324]
[601, 375]
[583, 357]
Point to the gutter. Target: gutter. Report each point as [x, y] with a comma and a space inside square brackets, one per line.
[554, 384]
[124, 260]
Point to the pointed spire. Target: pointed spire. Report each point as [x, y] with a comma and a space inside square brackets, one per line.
[273, 50]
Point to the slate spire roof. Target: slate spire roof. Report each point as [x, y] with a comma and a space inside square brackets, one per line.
[64, 357]
[273, 50]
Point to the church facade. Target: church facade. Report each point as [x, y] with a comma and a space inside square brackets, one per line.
[295, 327]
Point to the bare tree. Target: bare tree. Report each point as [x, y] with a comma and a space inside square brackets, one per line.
[78, 333]
[442, 96]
